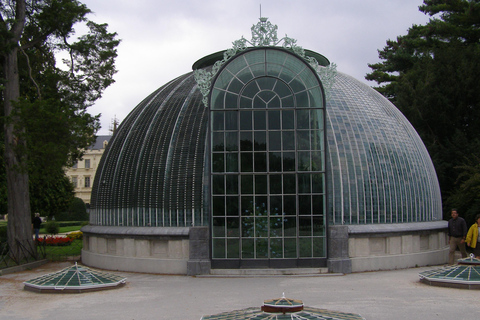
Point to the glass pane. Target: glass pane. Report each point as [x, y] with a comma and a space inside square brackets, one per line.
[217, 141]
[317, 161]
[259, 103]
[276, 206]
[290, 226]
[218, 185]
[248, 227]
[317, 140]
[260, 143]
[218, 120]
[235, 85]
[259, 120]
[218, 162]
[217, 99]
[303, 140]
[303, 119]
[262, 248]
[275, 161]
[261, 206]
[275, 140]
[318, 183]
[218, 206]
[231, 120]
[302, 99]
[261, 227]
[218, 227]
[246, 159]
[231, 141]
[288, 140]
[232, 184]
[276, 184]
[250, 90]
[232, 162]
[305, 226]
[288, 119]
[276, 247]
[274, 120]
[316, 119]
[290, 248]
[233, 227]
[233, 248]
[247, 184]
[276, 226]
[231, 100]
[305, 247]
[245, 120]
[304, 185]
[289, 183]
[290, 205]
[304, 161]
[246, 141]
[247, 206]
[288, 102]
[218, 248]
[266, 83]
[289, 161]
[260, 161]
[318, 226]
[317, 203]
[245, 103]
[248, 247]
[261, 184]
[319, 247]
[304, 205]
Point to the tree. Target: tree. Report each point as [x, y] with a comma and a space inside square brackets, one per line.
[432, 74]
[44, 105]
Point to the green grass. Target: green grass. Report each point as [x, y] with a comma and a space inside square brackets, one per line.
[63, 229]
[56, 253]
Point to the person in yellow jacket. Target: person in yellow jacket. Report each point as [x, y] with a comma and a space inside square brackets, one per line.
[472, 240]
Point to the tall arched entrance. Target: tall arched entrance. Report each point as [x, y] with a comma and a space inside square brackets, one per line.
[267, 162]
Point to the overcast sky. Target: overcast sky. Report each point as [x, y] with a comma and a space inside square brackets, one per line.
[162, 39]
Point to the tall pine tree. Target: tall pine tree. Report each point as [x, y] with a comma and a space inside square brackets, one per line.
[432, 74]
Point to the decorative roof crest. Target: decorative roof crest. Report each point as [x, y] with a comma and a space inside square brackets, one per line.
[264, 34]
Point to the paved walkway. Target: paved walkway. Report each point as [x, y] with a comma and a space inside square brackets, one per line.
[382, 295]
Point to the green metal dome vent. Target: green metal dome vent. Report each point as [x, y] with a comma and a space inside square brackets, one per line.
[74, 279]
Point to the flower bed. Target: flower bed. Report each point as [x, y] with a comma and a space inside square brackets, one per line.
[55, 241]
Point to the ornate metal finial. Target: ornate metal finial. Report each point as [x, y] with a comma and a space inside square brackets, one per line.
[264, 34]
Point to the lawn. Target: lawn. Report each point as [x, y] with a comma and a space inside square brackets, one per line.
[63, 229]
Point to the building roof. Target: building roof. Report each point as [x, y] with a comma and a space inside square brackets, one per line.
[98, 144]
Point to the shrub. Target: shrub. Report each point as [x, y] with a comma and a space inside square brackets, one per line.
[74, 235]
[52, 227]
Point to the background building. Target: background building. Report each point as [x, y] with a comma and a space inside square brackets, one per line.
[265, 157]
[82, 174]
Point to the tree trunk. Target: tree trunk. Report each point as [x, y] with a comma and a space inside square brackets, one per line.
[19, 226]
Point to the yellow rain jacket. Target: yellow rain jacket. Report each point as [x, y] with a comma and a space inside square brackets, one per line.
[472, 235]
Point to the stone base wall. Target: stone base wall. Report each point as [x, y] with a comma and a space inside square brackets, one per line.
[387, 247]
[144, 249]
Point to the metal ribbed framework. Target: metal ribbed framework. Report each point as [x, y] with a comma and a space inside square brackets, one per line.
[379, 169]
[152, 172]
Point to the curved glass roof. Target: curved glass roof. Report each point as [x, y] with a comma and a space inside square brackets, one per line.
[74, 279]
[153, 172]
[306, 313]
[466, 275]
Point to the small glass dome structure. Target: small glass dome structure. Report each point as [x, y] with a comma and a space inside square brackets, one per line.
[464, 275]
[284, 308]
[74, 279]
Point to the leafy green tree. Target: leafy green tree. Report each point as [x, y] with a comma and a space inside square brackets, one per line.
[432, 74]
[45, 115]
